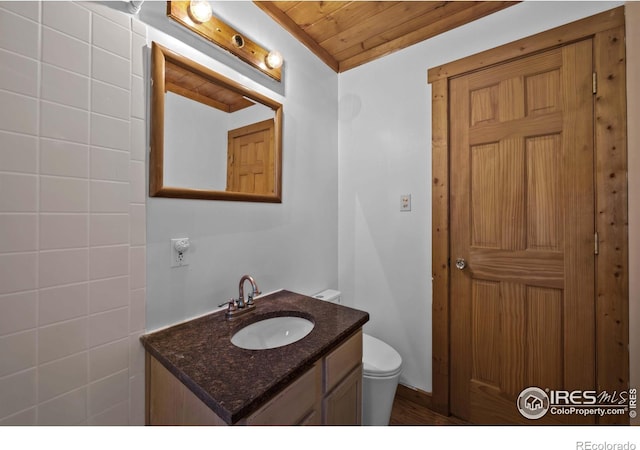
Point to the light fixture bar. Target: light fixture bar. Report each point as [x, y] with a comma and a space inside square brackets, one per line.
[223, 35]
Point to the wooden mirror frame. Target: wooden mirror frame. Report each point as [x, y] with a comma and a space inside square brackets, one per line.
[159, 57]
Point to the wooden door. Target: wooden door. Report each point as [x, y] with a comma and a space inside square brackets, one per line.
[522, 218]
[250, 159]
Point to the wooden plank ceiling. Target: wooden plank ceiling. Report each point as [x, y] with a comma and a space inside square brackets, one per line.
[348, 34]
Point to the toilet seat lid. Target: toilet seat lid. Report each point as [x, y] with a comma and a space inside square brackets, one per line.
[379, 358]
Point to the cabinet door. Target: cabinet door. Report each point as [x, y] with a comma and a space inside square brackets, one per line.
[340, 362]
[315, 418]
[292, 405]
[343, 405]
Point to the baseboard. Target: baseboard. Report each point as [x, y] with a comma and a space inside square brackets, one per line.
[416, 395]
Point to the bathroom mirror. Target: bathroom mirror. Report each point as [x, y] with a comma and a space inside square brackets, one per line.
[211, 137]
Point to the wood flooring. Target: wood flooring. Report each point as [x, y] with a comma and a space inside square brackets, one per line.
[407, 412]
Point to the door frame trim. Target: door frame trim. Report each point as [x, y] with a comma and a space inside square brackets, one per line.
[611, 221]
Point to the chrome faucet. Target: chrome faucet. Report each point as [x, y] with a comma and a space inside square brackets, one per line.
[238, 306]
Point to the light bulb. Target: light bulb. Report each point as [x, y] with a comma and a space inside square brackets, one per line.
[274, 60]
[200, 11]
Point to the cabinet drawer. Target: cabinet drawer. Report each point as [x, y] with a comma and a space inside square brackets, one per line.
[340, 362]
[291, 406]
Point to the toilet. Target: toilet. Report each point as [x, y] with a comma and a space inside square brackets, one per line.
[382, 366]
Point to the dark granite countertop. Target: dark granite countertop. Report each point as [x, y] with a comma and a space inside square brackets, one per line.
[235, 382]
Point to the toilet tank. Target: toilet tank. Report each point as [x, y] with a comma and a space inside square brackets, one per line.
[328, 295]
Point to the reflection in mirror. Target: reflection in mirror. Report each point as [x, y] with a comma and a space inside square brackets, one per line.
[211, 138]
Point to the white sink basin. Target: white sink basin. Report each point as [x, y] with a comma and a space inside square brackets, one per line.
[272, 333]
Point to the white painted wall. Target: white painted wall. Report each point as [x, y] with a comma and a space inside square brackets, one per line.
[291, 245]
[385, 151]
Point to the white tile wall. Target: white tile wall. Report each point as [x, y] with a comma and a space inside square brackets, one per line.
[62, 339]
[65, 52]
[64, 158]
[20, 232]
[30, 10]
[109, 197]
[19, 34]
[110, 165]
[59, 231]
[72, 215]
[17, 352]
[61, 303]
[18, 74]
[110, 100]
[19, 312]
[18, 113]
[19, 153]
[67, 17]
[109, 229]
[110, 132]
[110, 68]
[17, 392]
[104, 294]
[19, 272]
[59, 267]
[109, 358]
[68, 409]
[64, 122]
[26, 417]
[62, 375]
[65, 87]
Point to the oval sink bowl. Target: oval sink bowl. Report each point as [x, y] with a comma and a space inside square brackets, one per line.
[272, 333]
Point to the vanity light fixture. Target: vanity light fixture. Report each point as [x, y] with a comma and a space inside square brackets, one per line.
[196, 15]
[200, 11]
[274, 59]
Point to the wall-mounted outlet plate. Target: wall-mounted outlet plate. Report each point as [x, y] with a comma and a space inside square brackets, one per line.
[405, 202]
[179, 252]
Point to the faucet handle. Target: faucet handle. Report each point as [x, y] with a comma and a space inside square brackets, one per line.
[231, 305]
[226, 303]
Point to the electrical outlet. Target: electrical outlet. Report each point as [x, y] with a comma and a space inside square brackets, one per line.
[179, 252]
[405, 202]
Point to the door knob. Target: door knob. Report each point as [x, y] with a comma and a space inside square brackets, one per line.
[461, 263]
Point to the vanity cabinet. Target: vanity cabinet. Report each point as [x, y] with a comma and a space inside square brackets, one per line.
[298, 403]
[169, 402]
[329, 393]
[342, 400]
